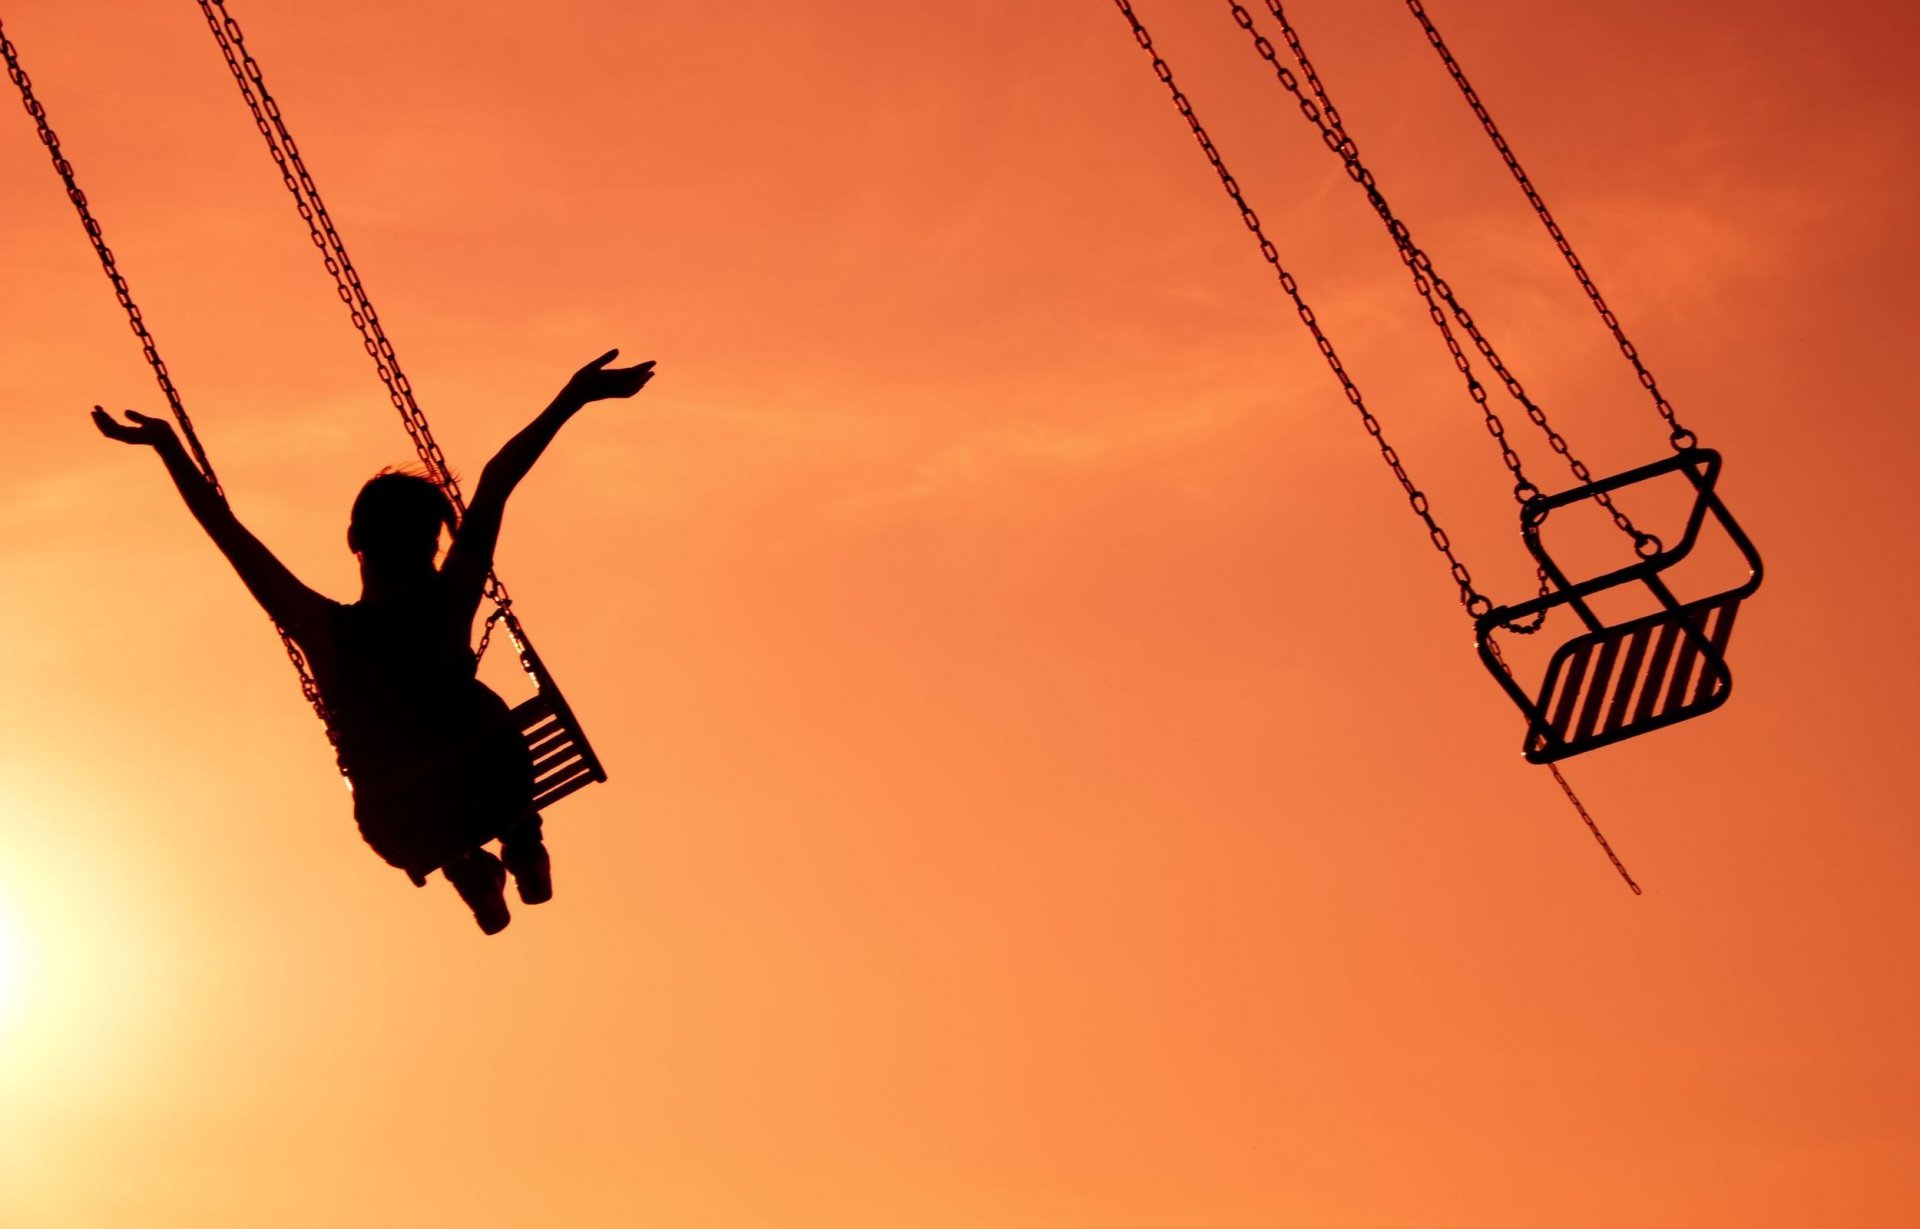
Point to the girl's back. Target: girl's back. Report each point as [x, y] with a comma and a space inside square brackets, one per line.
[436, 762]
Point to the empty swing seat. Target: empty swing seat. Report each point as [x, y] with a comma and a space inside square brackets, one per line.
[1615, 681]
[1621, 681]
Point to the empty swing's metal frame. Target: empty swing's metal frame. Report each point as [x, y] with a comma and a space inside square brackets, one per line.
[1618, 680]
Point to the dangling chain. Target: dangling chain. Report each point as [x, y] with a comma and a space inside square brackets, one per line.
[333, 253]
[1475, 603]
[1594, 828]
[1578, 806]
[308, 688]
[1679, 436]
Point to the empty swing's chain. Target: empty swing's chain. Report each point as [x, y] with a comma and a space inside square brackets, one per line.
[1679, 436]
[1326, 117]
[1333, 133]
[308, 688]
[1580, 808]
[333, 252]
[1475, 603]
[1320, 111]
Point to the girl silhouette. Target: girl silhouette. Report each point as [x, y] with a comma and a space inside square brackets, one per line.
[436, 765]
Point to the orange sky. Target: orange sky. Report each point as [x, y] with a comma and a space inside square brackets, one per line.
[1052, 783]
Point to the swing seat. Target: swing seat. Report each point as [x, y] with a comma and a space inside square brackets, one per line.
[1609, 685]
[1618, 680]
[563, 759]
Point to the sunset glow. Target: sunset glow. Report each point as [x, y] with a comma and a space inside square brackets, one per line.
[1051, 780]
[13, 966]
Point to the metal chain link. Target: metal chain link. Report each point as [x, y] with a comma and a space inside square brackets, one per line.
[1320, 111]
[64, 168]
[1326, 117]
[1678, 436]
[1476, 604]
[486, 631]
[1594, 828]
[333, 253]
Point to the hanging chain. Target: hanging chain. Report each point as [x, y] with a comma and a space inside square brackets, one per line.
[1678, 436]
[308, 688]
[1320, 111]
[486, 631]
[333, 253]
[1475, 603]
[1567, 789]
[1594, 828]
[120, 291]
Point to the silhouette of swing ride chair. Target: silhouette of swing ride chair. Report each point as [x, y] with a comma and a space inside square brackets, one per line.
[1617, 678]
[1622, 679]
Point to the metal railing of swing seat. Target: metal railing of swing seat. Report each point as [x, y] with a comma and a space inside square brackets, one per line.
[1618, 680]
[563, 759]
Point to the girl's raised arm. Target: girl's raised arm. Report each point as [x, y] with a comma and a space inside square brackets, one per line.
[288, 603]
[471, 556]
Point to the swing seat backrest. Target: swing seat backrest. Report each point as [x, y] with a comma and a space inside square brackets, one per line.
[563, 759]
[1618, 680]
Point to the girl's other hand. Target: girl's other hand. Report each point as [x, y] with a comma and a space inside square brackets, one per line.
[599, 382]
[138, 429]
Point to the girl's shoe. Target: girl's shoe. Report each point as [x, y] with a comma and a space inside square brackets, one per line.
[482, 883]
[532, 869]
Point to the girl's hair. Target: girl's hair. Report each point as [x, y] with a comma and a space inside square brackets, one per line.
[399, 514]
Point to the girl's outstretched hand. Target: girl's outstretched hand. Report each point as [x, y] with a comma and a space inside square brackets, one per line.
[138, 429]
[599, 382]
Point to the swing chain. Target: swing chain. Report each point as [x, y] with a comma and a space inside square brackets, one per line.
[503, 610]
[1320, 111]
[148, 347]
[333, 253]
[1475, 602]
[107, 262]
[1679, 436]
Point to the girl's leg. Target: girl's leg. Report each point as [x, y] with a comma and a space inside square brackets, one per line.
[482, 882]
[526, 856]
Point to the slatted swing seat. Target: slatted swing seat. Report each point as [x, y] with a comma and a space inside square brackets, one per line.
[563, 759]
[1618, 680]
